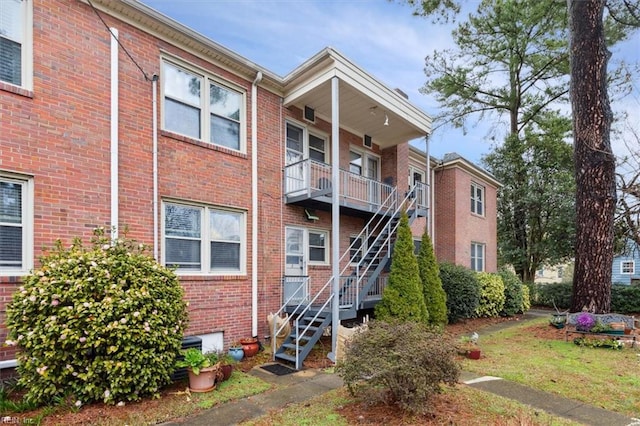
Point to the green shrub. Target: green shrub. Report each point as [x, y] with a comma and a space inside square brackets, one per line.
[514, 292]
[558, 293]
[434, 296]
[625, 299]
[462, 289]
[404, 363]
[103, 323]
[526, 300]
[402, 298]
[491, 295]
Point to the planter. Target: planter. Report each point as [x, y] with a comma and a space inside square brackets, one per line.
[227, 370]
[236, 353]
[473, 354]
[250, 346]
[203, 382]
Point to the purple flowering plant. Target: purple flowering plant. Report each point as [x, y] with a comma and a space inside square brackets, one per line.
[585, 321]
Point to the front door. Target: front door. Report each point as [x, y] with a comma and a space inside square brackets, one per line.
[296, 171]
[295, 268]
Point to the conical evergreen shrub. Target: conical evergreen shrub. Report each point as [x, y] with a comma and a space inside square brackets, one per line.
[402, 298]
[434, 296]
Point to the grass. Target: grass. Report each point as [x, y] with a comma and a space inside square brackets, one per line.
[602, 377]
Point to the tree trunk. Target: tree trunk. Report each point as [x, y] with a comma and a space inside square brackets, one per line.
[594, 161]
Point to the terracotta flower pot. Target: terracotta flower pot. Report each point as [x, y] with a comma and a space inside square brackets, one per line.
[250, 346]
[474, 354]
[203, 382]
[227, 370]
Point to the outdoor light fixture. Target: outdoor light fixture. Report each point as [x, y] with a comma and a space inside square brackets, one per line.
[386, 119]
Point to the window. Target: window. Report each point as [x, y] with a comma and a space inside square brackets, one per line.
[302, 144]
[627, 267]
[477, 257]
[204, 239]
[560, 271]
[364, 164]
[477, 199]
[16, 224]
[15, 42]
[201, 108]
[355, 163]
[318, 247]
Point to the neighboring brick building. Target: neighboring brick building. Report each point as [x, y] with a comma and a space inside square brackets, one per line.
[220, 165]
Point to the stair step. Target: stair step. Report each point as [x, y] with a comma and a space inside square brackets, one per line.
[292, 346]
[286, 357]
[310, 328]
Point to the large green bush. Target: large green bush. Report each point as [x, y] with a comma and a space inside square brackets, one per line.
[434, 296]
[491, 295]
[402, 298]
[100, 323]
[625, 299]
[514, 292]
[554, 293]
[462, 289]
[401, 362]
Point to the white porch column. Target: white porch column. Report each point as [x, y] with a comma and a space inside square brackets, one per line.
[335, 214]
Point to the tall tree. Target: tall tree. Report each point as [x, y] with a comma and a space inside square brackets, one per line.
[512, 62]
[543, 162]
[594, 160]
[434, 296]
[402, 297]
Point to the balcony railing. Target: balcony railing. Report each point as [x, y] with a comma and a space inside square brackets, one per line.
[312, 179]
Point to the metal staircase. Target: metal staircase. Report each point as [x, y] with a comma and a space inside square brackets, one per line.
[311, 316]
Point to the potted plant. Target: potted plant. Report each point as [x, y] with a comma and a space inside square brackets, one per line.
[202, 369]
[236, 351]
[469, 346]
[585, 321]
[250, 346]
[226, 365]
[558, 320]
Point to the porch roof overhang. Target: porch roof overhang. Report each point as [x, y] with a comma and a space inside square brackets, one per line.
[364, 102]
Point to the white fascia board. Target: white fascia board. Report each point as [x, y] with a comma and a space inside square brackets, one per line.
[473, 169]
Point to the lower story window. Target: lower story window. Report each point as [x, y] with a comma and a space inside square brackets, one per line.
[204, 239]
[318, 247]
[16, 218]
[477, 257]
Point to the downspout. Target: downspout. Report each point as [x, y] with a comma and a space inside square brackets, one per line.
[154, 85]
[430, 188]
[254, 204]
[114, 134]
[335, 216]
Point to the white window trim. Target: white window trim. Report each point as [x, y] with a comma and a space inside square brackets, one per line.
[28, 205]
[476, 185]
[206, 79]
[365, 155]
[306, 131]
[414, 170]
[26, 50]
[627, 262]
[326, 246]
[205, 259]
[484, 256]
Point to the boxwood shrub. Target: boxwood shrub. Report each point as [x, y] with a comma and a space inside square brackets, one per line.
[515, 294]
[558, 293]
[462, 289]
[99, 323]
[491, 295]
[625, 299]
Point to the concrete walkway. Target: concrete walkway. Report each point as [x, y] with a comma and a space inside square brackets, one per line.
[304, 385]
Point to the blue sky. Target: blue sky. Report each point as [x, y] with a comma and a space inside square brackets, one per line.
[380, 36]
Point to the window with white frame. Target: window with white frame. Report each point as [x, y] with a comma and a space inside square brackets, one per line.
[477, 257]
[204, 239]
[364, 164]
[15, 42]
[477, 199]
[16, 218]
[302, 144]
[627, 267]
[318, 247]
[200, 107]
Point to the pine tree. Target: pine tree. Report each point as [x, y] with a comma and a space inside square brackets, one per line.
[434, 296]
[402, 298]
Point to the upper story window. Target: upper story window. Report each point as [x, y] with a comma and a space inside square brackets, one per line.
[16, 60]
[627, 267]
[477, 257]
[197, 106]
[302, 144]
[16, 218]
[477, 199]
[364, 164]
[204, 239]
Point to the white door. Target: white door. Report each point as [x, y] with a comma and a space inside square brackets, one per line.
[374, 184]
[296, 169]
[295, 282]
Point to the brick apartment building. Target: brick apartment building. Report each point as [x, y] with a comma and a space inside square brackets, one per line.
[226, 169]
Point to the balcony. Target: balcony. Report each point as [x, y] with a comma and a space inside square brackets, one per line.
[308, 183]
